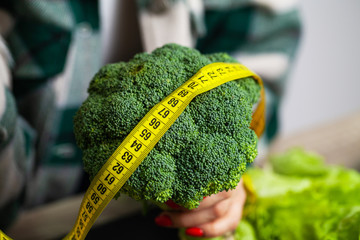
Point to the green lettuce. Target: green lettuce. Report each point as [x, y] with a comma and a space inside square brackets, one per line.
[298, 197]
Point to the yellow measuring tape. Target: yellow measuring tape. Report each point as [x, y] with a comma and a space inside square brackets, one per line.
[136, 146]
[3, 236]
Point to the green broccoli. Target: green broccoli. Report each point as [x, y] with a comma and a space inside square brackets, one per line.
[204, 152]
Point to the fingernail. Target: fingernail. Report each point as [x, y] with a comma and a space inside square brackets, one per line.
[163, 221]
[204, 198]
[194, 232]
[171, 204]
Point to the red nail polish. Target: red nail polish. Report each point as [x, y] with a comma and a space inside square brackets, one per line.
[171, 204]
[194, 232]
[163, 221]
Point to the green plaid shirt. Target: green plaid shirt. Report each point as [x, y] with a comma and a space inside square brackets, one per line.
[49, 37]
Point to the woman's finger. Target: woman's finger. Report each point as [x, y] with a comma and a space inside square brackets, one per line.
[222, 225]
[213, 199]
[226, 223]
[194, 218]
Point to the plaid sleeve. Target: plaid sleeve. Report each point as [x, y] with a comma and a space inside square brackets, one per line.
[55, 49]
[15, 150]
[12, 155]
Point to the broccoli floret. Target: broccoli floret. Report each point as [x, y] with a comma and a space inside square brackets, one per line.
[204, 152]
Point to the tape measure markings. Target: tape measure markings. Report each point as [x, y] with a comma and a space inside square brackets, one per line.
[139, 142]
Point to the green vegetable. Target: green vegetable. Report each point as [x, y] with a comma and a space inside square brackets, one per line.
[301, 198]
[297, 162]
[204, 152]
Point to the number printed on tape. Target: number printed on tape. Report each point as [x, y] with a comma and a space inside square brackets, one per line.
[154, 124]
[173, 103]
[126, 159]
[118, 169]
[135, 147]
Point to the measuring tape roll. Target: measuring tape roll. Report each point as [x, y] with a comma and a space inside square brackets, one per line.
[138, 143]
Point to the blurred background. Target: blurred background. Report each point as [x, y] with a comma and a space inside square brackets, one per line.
[325, 82]
[321, 108]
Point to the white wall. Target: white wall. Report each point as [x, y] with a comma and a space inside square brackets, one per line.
[325, 82]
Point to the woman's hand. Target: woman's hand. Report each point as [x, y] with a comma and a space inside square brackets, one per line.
[215, 216]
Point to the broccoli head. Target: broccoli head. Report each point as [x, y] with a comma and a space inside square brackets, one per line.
[204, 152]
